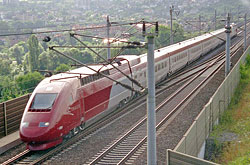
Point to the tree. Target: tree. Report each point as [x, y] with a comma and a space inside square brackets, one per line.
[8, 89]
[62, 68]
[54, 60]
[29, 81]
[34, 51]
[17, 52]
[163, 38]
[5, 67]
[5, 62]
[179, 33]
[86, 57]
[44, 61]
[83, 56]
[24, 45]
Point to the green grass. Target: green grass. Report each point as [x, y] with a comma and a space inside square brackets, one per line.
[237, 120]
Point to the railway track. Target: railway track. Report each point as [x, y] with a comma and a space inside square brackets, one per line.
[125, 147]
[30, 157]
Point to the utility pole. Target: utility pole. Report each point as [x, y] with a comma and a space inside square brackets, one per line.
[199, 24]
[245, 32]
[151, 121]
[228, 31]
[151, 149]
[238, 14]
[108, 43]
[215, 19]
[171, 25]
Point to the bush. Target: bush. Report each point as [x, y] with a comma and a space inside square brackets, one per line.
[29, 81]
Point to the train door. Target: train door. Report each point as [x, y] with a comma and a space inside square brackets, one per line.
[82, 109]
[74, 109]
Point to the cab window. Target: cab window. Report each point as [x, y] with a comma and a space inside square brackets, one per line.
[43, 100]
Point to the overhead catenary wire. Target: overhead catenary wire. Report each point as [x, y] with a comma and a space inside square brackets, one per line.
[102, 38]
[131, 79]
[188, 22]
[204, 31]
[65, 30]
[123, 85]
[81, 29]
[116, 36]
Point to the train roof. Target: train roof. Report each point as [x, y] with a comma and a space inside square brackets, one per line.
[183, 44]
[92, 69]
[133, 59]
[189, 42]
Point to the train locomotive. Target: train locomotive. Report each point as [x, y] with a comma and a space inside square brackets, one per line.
[65, 103]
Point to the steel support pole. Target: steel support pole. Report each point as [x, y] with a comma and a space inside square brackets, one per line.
[215, 19]
[5, 119]
[171, 25]
[108, 35]
[151, 130]
[238, 21]
[199, 24]
[228, 31]
[245, 32]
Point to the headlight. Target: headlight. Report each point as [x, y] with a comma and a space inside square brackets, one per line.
[43, 124]
[25, 124]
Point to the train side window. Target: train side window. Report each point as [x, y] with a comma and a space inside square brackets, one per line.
[99, 76]
[94, 77]
[91, 78]
[81, 81]
[106, 72]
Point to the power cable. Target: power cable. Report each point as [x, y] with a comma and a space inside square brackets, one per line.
[204, 31]
[123, 85]
[64, 30]
[131, 79]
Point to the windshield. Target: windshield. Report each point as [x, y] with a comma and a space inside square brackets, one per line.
[43, 101]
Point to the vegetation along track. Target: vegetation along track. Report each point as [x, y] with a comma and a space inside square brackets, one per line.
[29, 157]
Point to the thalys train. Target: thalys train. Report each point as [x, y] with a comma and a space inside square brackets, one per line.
[65, 103]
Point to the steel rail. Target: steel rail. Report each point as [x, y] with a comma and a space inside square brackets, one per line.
[119, 141]
[173, 111]
[17, 157]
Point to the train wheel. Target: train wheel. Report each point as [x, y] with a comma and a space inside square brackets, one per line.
[82, 126]
[75, 131]
[121, 104]
[69, 135]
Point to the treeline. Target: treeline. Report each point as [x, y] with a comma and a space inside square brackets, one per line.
[20, 63]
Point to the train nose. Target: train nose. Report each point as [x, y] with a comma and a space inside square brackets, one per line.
[34, 131]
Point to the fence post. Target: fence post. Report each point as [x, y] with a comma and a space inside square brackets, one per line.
[5, 119]
[196, 139]
[211, 117]
[168, 157]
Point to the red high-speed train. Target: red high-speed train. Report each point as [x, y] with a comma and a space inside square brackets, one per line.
[65, 103]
